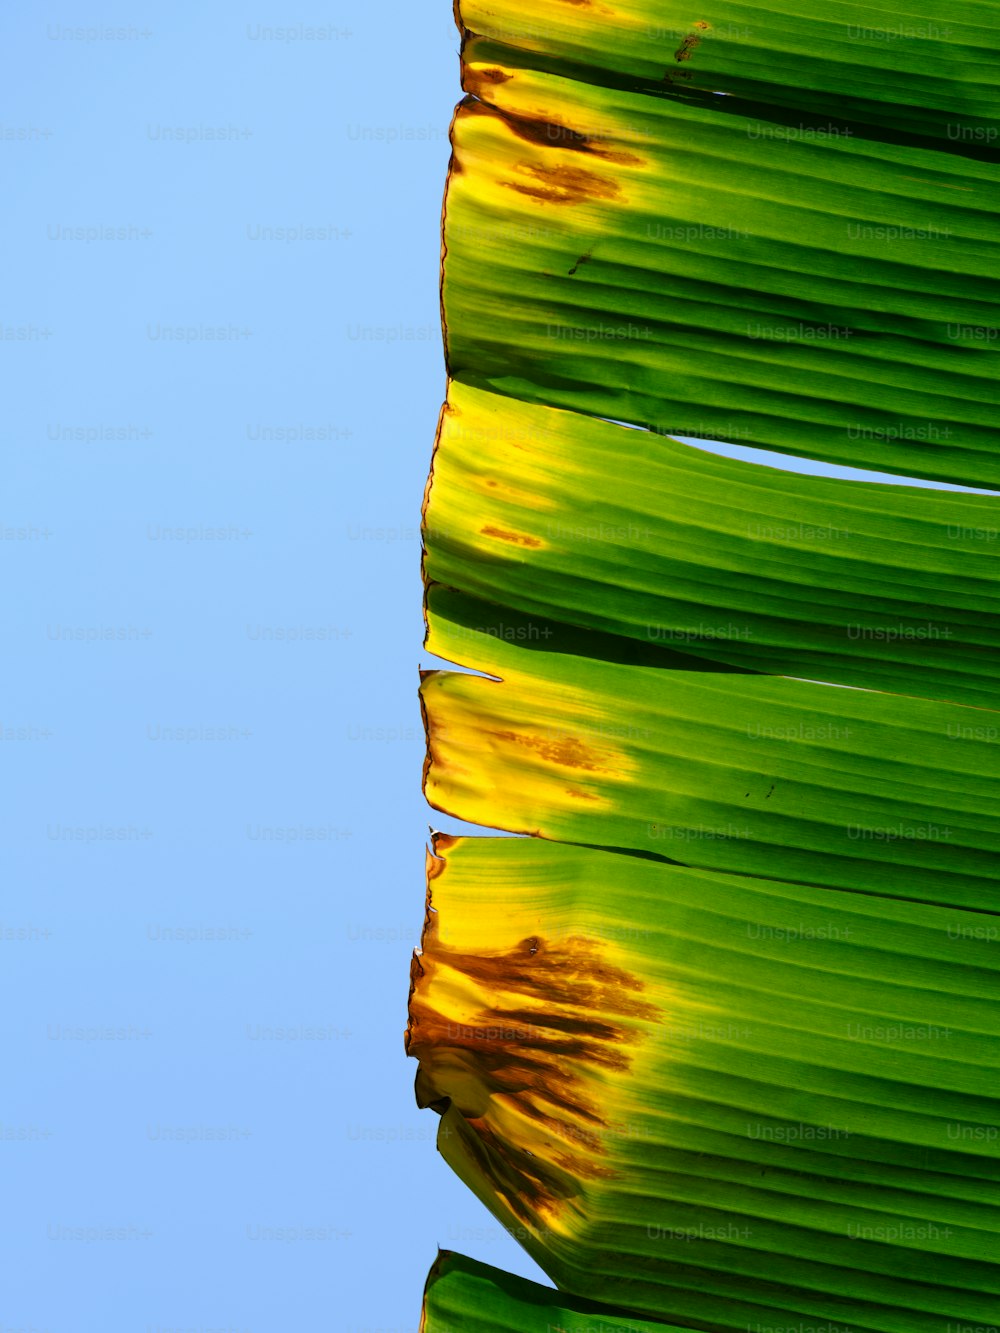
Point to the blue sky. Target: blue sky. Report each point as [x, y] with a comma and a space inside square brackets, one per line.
[213, 827]
[223, 369]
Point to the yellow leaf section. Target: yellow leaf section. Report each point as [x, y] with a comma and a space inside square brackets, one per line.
[524, 1035]
[465, 431]
[548, 147]
[533, 23]
[569, 760]
[482, 442]
[550, 113]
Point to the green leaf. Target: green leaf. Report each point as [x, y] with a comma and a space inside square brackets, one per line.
[715, 1098]
[916, 71]
[844, 788]
[705, 270]
[462, 1294]
[878, 586]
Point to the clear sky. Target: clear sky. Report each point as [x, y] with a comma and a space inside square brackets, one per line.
[212, 826]
[211, 632]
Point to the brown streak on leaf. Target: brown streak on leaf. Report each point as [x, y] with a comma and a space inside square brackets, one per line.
[617, 155]
[589, 4]
[565, 184]
[568, 751]
[518, 538]
[686, 47]
[547, 133]
[552, 134]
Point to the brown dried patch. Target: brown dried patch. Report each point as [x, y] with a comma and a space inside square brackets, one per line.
[556, 1010]
[567, 750]
[478, 81]
[548, 133]
[702, 23]
[686, 48]
[551, 134]
[518, 538]
[565, 184]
